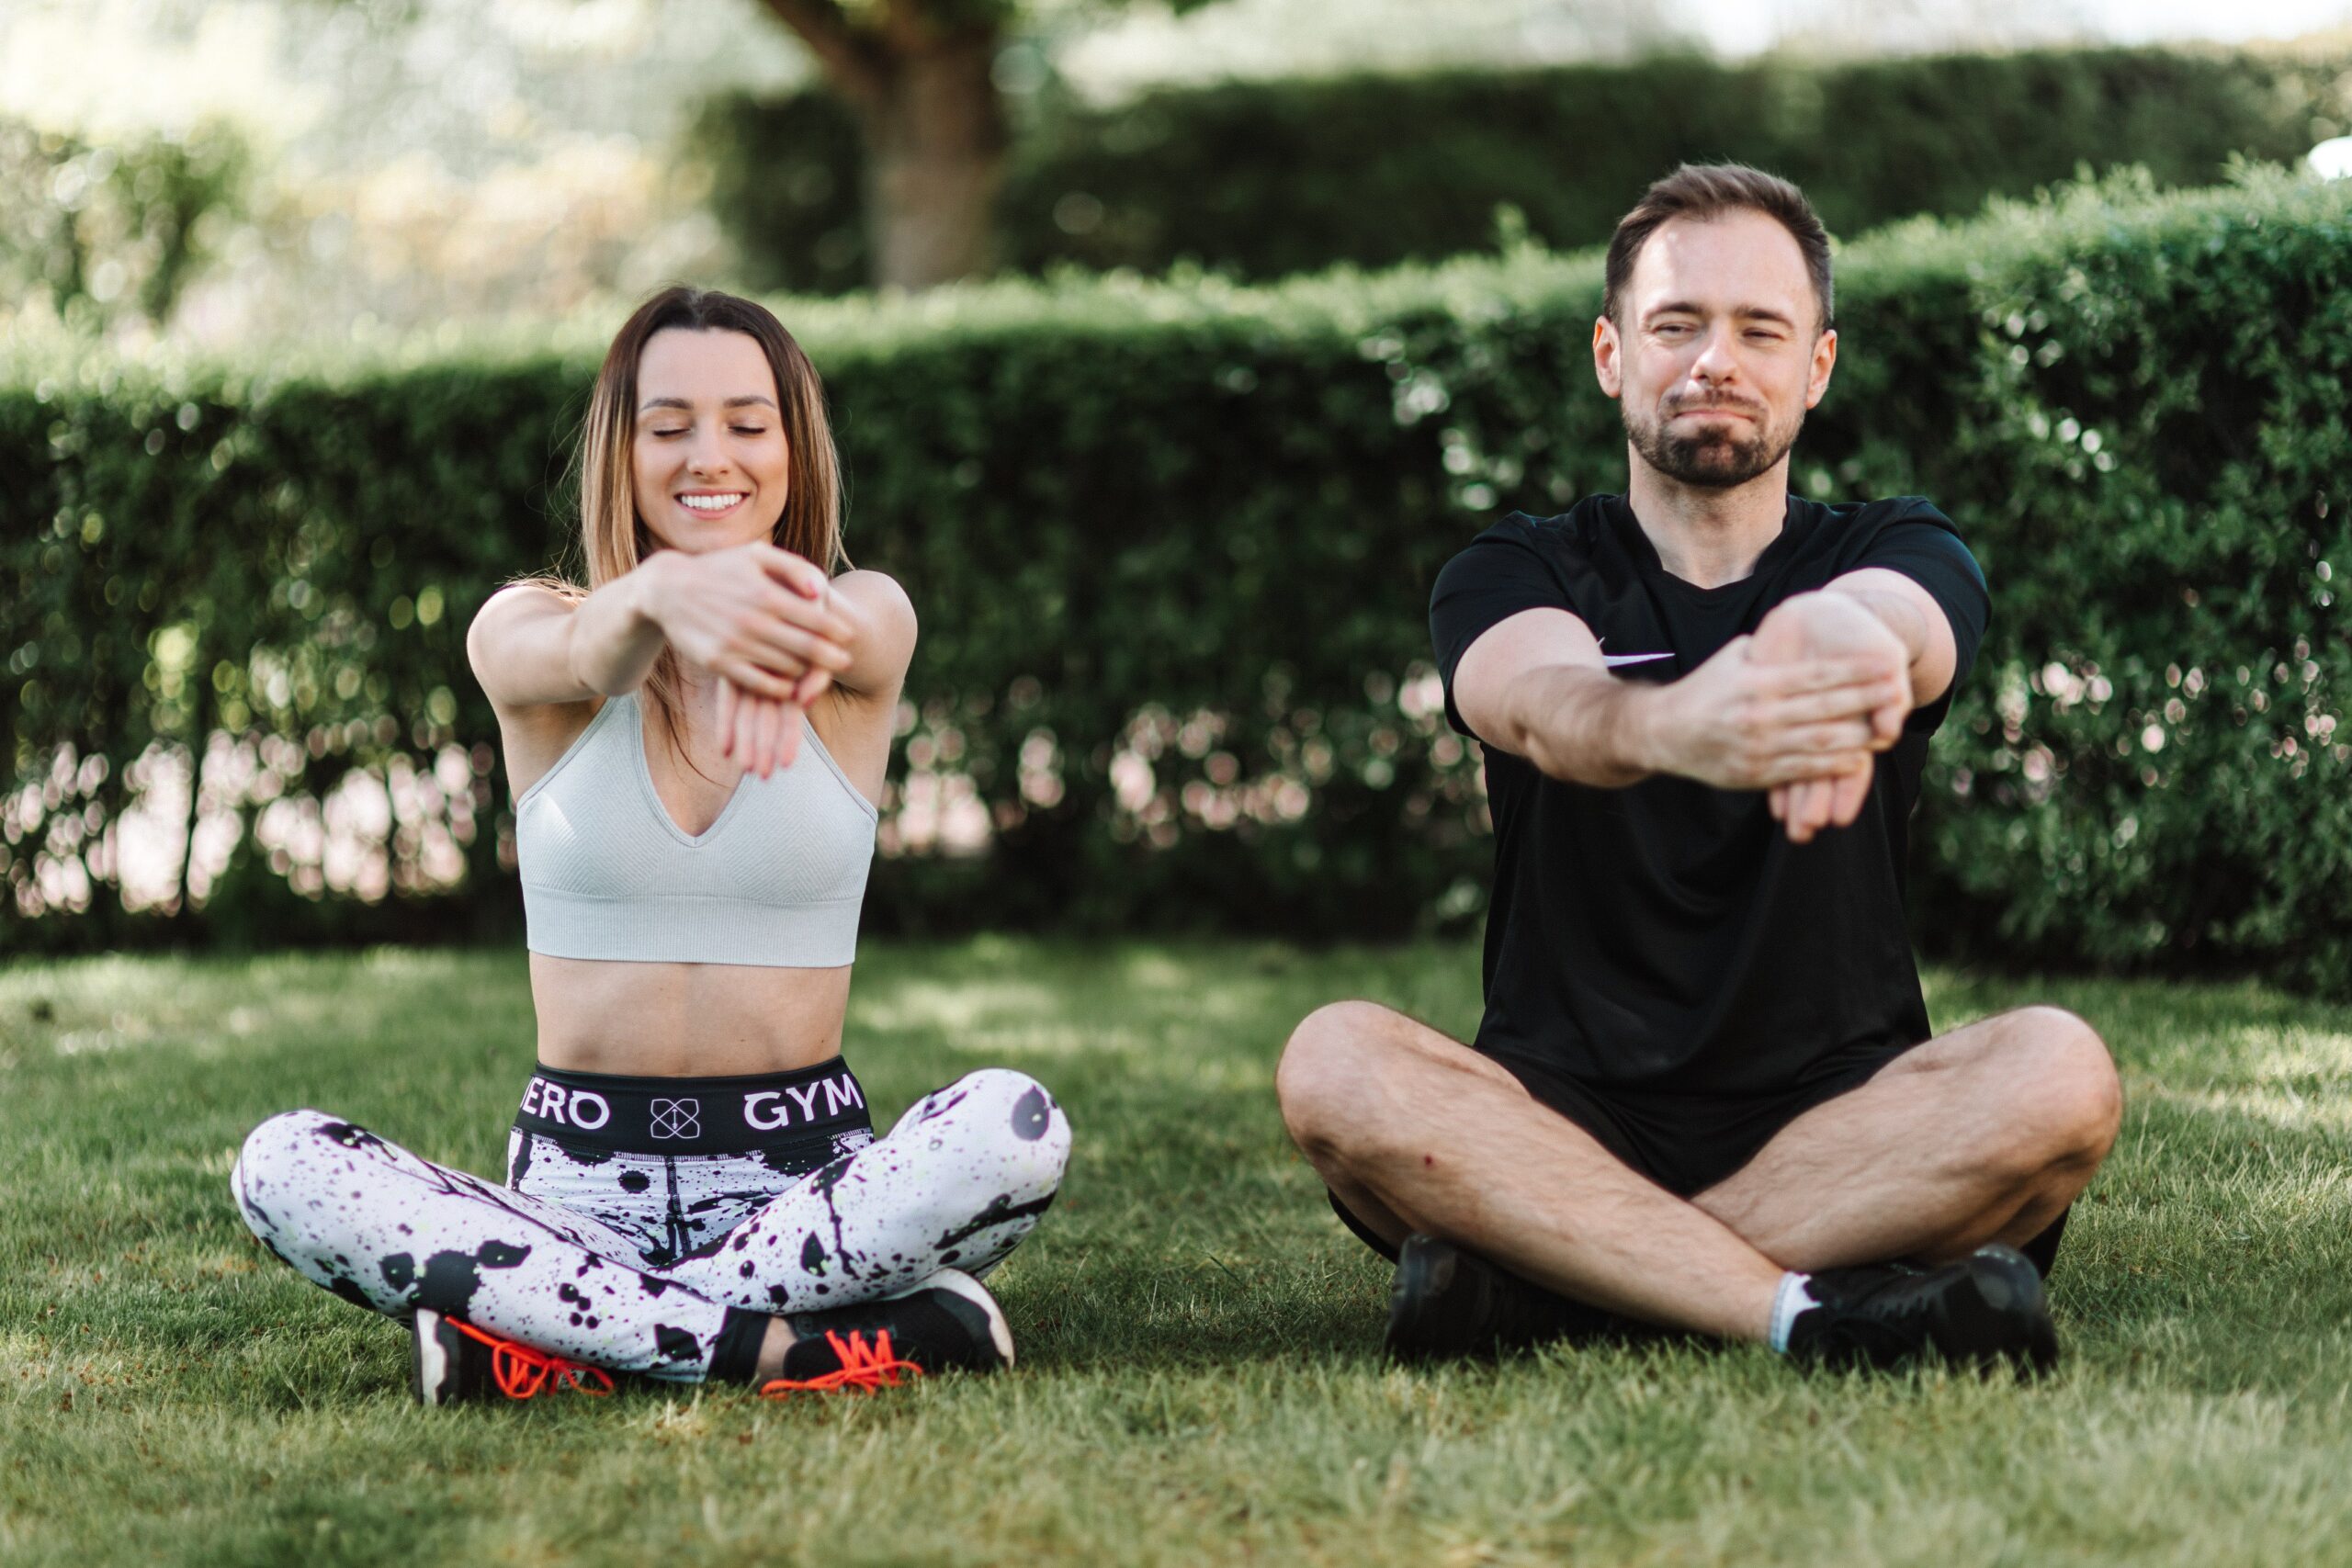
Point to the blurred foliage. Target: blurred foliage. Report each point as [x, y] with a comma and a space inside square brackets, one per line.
[1267, 179]
[787, 186]
[105, 231]
[1173, 546]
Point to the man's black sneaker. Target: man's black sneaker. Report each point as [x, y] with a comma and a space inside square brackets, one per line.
[1984, 1310]
[948, 1321]
[1449, 1303]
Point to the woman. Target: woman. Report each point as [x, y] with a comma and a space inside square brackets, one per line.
[695, 741]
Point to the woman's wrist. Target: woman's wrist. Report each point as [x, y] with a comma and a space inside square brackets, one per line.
[650, 589]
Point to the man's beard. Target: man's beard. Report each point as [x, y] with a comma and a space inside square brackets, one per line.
[1715, 459]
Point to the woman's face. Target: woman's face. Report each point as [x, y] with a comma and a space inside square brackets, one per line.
[709, 456]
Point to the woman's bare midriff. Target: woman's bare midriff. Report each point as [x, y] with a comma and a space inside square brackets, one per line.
[685, 1020]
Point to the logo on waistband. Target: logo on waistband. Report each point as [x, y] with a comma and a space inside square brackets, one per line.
[677, 1118]
[768, 1110]
[578, 1108]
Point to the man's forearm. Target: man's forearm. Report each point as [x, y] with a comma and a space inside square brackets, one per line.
[1582, 725]
[1898, 613]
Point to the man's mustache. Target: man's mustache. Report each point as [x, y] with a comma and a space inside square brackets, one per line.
[1714, 401]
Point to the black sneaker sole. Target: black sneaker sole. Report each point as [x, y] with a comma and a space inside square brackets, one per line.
[966, 1299]
[1433, 1304]
[435, 1354]
[443, 1366]
[1982, 1313]
[2003, 1317]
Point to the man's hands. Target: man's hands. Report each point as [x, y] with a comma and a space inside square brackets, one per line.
[1798, 709]
[765, 621]
[1833, 626]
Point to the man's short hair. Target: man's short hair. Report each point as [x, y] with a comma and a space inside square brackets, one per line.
[1701, 191]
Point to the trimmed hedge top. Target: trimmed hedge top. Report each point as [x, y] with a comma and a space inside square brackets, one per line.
[1416, 167]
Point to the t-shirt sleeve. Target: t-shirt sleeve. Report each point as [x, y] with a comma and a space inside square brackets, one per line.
[1501, 574]
[1925, 546]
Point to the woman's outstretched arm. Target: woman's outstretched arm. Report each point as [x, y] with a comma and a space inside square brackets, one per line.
[758, 616]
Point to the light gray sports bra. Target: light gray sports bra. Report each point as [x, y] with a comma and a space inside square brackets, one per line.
[775, 881]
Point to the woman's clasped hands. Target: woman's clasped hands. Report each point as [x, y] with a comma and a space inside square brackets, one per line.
[767, 623]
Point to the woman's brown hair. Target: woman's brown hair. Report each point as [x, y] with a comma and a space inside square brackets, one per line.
[614, 539]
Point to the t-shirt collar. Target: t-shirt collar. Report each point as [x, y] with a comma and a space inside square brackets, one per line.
[1637, 545]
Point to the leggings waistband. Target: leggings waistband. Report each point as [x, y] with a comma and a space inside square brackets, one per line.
[743, 1114]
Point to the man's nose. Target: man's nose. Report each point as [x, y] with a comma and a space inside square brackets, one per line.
[1717, 361]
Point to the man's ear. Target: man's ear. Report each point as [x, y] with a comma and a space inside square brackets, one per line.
[1608, 365]
[1824, 360]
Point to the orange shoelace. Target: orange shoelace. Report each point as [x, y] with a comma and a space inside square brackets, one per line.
[523, 1372]
[863, 1367]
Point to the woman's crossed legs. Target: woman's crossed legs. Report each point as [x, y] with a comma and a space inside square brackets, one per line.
[957, 1183]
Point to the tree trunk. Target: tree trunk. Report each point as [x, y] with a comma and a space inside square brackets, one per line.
[935, 143]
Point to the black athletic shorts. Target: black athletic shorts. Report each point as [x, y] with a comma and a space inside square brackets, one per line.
[1689, 1143]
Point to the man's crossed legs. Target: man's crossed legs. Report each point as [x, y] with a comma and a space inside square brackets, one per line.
[1981, 1137]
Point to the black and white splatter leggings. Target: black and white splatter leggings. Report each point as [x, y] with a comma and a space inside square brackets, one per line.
[654, 1225]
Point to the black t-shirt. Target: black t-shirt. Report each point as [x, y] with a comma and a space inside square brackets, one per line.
[1666, 938]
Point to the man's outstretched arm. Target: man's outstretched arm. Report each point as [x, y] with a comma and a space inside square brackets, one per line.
[1535, 684]
[1911, 613]
[1901, 623]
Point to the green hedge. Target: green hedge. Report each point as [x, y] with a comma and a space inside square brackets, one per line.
[1179, 541]
[1414, 168]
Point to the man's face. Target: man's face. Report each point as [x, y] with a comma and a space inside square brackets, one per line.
[1718, 355]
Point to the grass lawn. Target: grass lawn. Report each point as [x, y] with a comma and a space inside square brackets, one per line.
[1199, 1380]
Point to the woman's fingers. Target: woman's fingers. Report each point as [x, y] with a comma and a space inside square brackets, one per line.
[790, 648]
[787, 745]
[770, 730]
[756, 681]
[812, 685]
[726, 717]
[820, 615]
[799, 573]
[747, 729]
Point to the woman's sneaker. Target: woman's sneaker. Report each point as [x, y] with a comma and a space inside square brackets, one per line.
[948, 1321]
[452, 1362]
[445, 1366]
[1983, 1310]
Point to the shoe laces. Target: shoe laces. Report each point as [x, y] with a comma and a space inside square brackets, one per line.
[865, 1367]
[524, 1373]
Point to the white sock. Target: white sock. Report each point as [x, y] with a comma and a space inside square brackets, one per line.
[1791, 1298]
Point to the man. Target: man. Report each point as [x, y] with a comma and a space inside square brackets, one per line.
[1703, 1096]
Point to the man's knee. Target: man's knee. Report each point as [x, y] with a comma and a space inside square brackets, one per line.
[1329, 1078]
[2071, 1098]
[1313, 1073]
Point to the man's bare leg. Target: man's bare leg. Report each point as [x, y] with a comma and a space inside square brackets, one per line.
[1982, 1134]
[1414, 1131]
